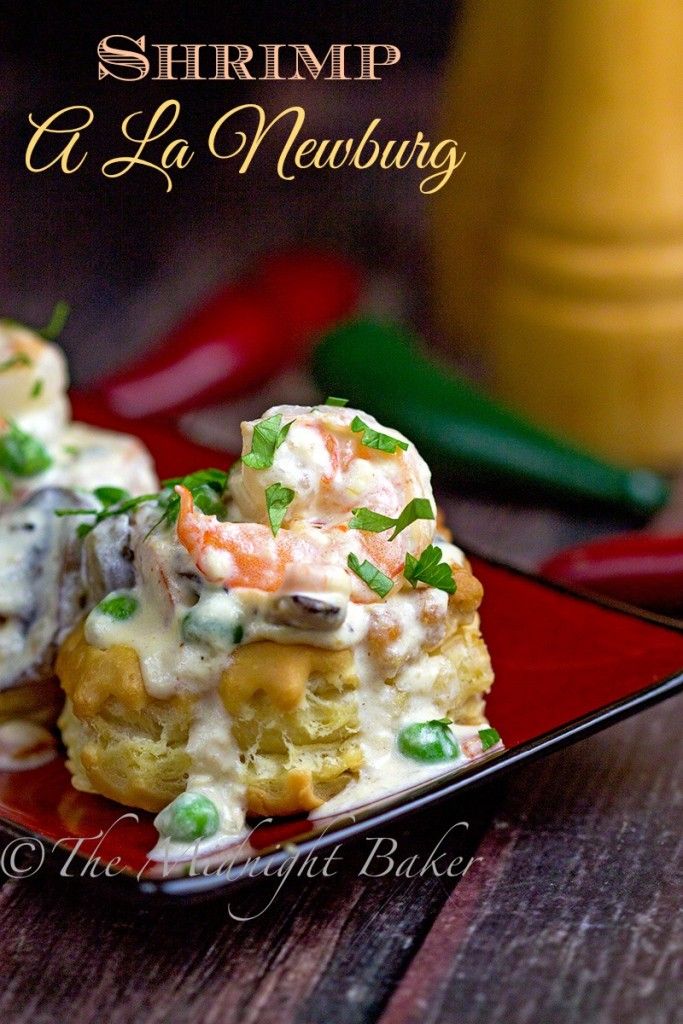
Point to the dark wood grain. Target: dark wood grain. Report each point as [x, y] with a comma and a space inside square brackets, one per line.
[324, 949]
[569, 915]
[576, 916]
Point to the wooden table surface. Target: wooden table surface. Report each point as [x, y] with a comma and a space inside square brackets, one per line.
[569, 911]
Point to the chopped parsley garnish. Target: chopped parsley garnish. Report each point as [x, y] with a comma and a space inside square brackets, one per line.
[371, 575]
[53, 328]
[20, 359]
[375, 522]
[114, 509]
[333, 400]
[118, 606]
[111, 495]
[278, 499]
[489, 738]
[268, 436]
[429, 569]
[374, 439]
[37, 389]
[207, 487]
[22, 454]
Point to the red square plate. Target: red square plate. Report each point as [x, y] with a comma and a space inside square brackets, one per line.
[565, 666]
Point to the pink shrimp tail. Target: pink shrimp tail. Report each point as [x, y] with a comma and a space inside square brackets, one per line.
[256, 559]
[189, 531]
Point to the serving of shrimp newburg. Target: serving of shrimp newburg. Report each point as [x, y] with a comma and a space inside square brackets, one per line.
[297, 635]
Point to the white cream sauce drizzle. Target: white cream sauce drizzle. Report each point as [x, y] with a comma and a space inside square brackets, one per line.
[33, 383]
[33, 395]
[172, 663]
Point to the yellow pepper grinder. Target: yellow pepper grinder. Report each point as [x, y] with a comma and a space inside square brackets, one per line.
[559, 247]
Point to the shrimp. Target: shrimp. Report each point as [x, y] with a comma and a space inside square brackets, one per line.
[238, 554]
[248, 555]
[330, 473]
[33, 382]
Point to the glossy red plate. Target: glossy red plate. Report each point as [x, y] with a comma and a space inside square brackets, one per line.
[565, 666]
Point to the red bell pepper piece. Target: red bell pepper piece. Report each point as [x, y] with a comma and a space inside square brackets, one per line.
[641, 569]
[240, 337]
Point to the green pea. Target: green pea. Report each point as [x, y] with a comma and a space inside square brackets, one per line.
[118, 606]
[202, 625]
[429, 741]
[190, 816]
[198, 628]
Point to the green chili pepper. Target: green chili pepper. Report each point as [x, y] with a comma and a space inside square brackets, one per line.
[461, 432]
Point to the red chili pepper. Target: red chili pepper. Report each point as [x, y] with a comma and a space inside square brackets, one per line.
[641, 569]
[240, 337]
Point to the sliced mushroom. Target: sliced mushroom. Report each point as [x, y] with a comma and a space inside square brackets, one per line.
[108, 558]
[304, 611]
[165, 569]
[41, 589]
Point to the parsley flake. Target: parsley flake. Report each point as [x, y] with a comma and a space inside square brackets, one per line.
[207, 487]
[333, 400]
[37, 389]
[114, 508]
[52, 329]
[20, 359]
[111, 495]
[429, 569]
[371, 575]
[374, 439]
[375, 522]
[278, 499]
[489, 737]
[267, 438]
[22, 454]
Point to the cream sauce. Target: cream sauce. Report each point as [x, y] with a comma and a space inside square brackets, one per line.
[40, 575]
[25, 745]
[188, 621]
[33, 385]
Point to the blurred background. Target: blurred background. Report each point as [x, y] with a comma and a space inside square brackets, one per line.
[129, 257]
[549, 270]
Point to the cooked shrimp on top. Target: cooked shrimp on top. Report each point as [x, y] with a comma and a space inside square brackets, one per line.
[332, 468]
